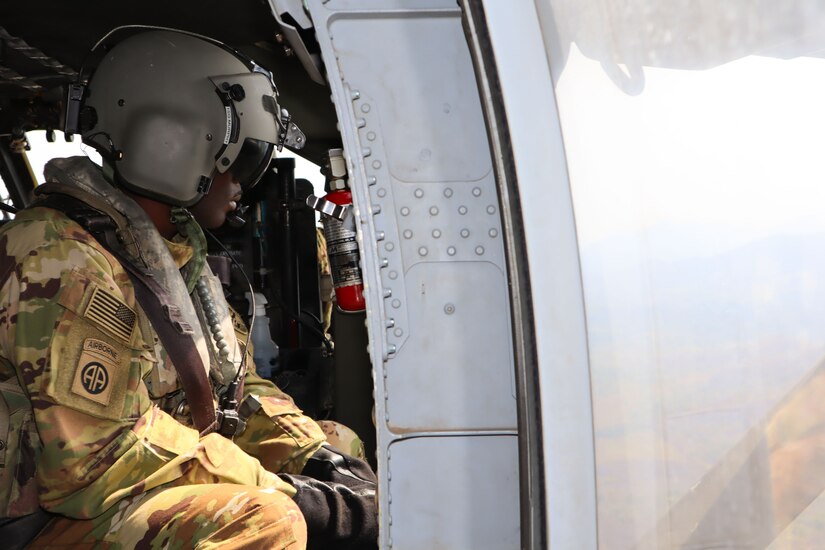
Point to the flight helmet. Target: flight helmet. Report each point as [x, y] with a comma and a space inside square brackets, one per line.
[169, 110]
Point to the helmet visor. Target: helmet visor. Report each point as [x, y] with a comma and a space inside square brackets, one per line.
[251, 162]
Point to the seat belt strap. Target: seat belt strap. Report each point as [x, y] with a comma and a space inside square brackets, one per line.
[163, 314]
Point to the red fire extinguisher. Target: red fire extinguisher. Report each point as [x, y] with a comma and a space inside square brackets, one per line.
[339, 230]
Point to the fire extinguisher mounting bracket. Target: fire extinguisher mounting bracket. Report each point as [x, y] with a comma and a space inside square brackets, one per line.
[338, 211]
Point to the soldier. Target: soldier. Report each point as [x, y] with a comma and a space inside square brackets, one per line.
[123, 344]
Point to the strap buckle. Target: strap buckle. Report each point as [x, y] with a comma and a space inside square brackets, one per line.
[232, 422]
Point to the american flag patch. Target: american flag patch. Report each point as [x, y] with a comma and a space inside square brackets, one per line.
[111, 313]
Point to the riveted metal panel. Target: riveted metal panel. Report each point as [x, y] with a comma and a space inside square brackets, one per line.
[445, 497]
[461, 345]
[429, 225]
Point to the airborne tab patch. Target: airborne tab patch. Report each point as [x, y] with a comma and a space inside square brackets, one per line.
[95, 369]
[111, 313]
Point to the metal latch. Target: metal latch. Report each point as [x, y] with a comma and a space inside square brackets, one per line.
[329, 208]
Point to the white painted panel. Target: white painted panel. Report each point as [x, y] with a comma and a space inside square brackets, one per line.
[555, 277]
[456, 493]
[423, 93]
[455, 370]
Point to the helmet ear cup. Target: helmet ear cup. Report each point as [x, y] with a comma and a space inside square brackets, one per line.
[166, 138]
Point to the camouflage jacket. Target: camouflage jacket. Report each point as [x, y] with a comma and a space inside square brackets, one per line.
[101, 387]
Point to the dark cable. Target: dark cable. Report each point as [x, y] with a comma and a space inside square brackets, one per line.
[8, 208]
[278, 299]
[315, 330]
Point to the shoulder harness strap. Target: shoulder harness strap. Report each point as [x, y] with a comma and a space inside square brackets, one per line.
[163, 314]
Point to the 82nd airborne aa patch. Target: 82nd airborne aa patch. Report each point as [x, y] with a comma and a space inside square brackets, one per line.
[95, 369]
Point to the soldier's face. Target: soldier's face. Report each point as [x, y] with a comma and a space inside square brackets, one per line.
[210, 212]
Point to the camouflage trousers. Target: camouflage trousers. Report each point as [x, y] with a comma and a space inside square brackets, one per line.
[195, 516]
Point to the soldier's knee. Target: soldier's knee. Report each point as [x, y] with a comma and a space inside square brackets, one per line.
[285, 523]
[343, 438]
[211, 516]
[260, 518]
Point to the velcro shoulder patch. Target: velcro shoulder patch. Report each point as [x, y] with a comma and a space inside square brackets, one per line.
[111, 313]
[97, 364]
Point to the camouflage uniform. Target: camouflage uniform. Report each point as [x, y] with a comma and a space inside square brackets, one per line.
[109, 436]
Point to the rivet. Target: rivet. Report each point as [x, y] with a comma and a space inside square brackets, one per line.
[393, 275]
[436, 233]
[493, 233]
[465, 233]
[379, 235]
[360, 122]
[365, 108]
[480, 250]
[376, 209]
[366, 151]
[405, 211]
[387, 292]
[491, 209]
[408, 234]
[376, 164]
[422, 251]
[355, 93]
[476, 191]
[390, 323]
[451, 251]
[462, 210]
[449, 309]
[225, 161]
[398, 332]
[384, 262]
[448, 192]
[389, 246]
[434, 211]
[121, 102]
[371, 136]
[208, 137]
[419, 193]
[381, 193]
[371, 180]
[391, 349]
[396, 303]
